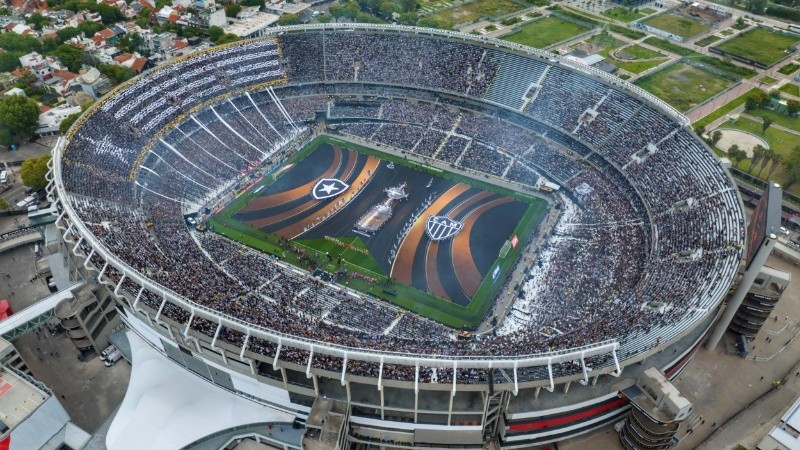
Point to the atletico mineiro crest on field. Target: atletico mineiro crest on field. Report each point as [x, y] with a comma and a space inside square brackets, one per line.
[328, 187]
[440, 228]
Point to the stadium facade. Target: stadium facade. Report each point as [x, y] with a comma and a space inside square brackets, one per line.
[663, 242]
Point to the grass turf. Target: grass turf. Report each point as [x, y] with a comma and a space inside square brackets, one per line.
[475, 10]
[406, 296]
[678, 25]
[664, 44]
[781, 119]
[544, 32]
[623, 14]
[708, 40]
[791, 89]
[643, 59]
[759, 45]
[789, 69]
[725, 109]
[683, 86]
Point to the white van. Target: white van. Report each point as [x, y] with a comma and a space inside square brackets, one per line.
[4, 177]
[112, 358]
[29, 200]
[32, 208]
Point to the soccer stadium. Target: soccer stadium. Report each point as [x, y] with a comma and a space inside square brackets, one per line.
[430, 238]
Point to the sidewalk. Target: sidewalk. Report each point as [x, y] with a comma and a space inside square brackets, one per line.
[27, 150]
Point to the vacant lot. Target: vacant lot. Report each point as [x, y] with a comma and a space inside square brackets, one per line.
[678, 25]
[545, 32]
[707, 40]
[637, 59]
[683, 86]
[760, 45]
[470, 12]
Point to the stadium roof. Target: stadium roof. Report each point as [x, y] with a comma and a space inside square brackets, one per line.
[166, 407]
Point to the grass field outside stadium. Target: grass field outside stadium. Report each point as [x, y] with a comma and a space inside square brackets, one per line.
[683, 86]
[348, 253]
[760, 45]
[679, 25]
[545, 32]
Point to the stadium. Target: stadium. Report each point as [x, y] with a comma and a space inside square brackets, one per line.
[586, 230]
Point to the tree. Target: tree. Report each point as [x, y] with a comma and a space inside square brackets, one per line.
[227, 38]
[758, 153]
[408, 5]
[792, 107]
[777, 159]
[756, 6]
[33, 172]
[67, 122]
[9, 61]
[386, 9]
[408, 18]
[4, 204]
[766, 122]
[214, 33]
[288, 19]
[118, 74]
[792, 164]
[12, 42]
[232, 10]
[740, 23]
[19, 115]
[67, 33]
[258, 3]
[70, 56]
[736, 154]
[715, 137]
[767, 155]
[37, 21]
[324, 18]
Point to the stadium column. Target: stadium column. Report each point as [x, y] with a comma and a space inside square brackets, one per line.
[744, 286]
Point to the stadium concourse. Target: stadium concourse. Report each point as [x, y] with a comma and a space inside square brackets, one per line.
[648, 240]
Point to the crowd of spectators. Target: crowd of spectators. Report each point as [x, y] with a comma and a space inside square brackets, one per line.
[650, 229]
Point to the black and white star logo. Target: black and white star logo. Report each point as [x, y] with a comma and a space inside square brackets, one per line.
[328, 187]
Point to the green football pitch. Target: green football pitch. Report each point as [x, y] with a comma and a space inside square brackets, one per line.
[349, 254]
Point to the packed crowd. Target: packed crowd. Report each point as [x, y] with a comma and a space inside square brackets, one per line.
[648, 216]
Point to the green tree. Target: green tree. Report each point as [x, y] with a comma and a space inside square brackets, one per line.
[4, 204]
[324, 18]
[37, 21]
[792, 163]
[777, 159]
[12, 42]
[19, 115]
[118, 74]
[408, 5]
[288, 19]
[767, 155]
[89, 28]
[386, 9]
[67, 33]
[9, 61]
[766, 122]
[214, 33]
[736, 154]
[33, 172]
[740, 23]
[232, 10]
[70, 56]
[756, 6]
[258, 3]
[715, 137]
[758, 153]
[792, 107]
[67, 122]
[408, 18]
[227, 38]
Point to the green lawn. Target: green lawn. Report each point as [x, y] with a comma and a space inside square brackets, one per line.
[606, 41]
[648, 11]
[708, 40]
[643, 58]
[777, 118]
[623, 14]
[683, 86]
[727, 32]
[778, 140]
[669, 46]
[678, 25]
[447, 18]
[791, 89]
[725, 109]
[789, 69]
[760, 45]
[767, 81]
[545, 32]
[326, 252]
